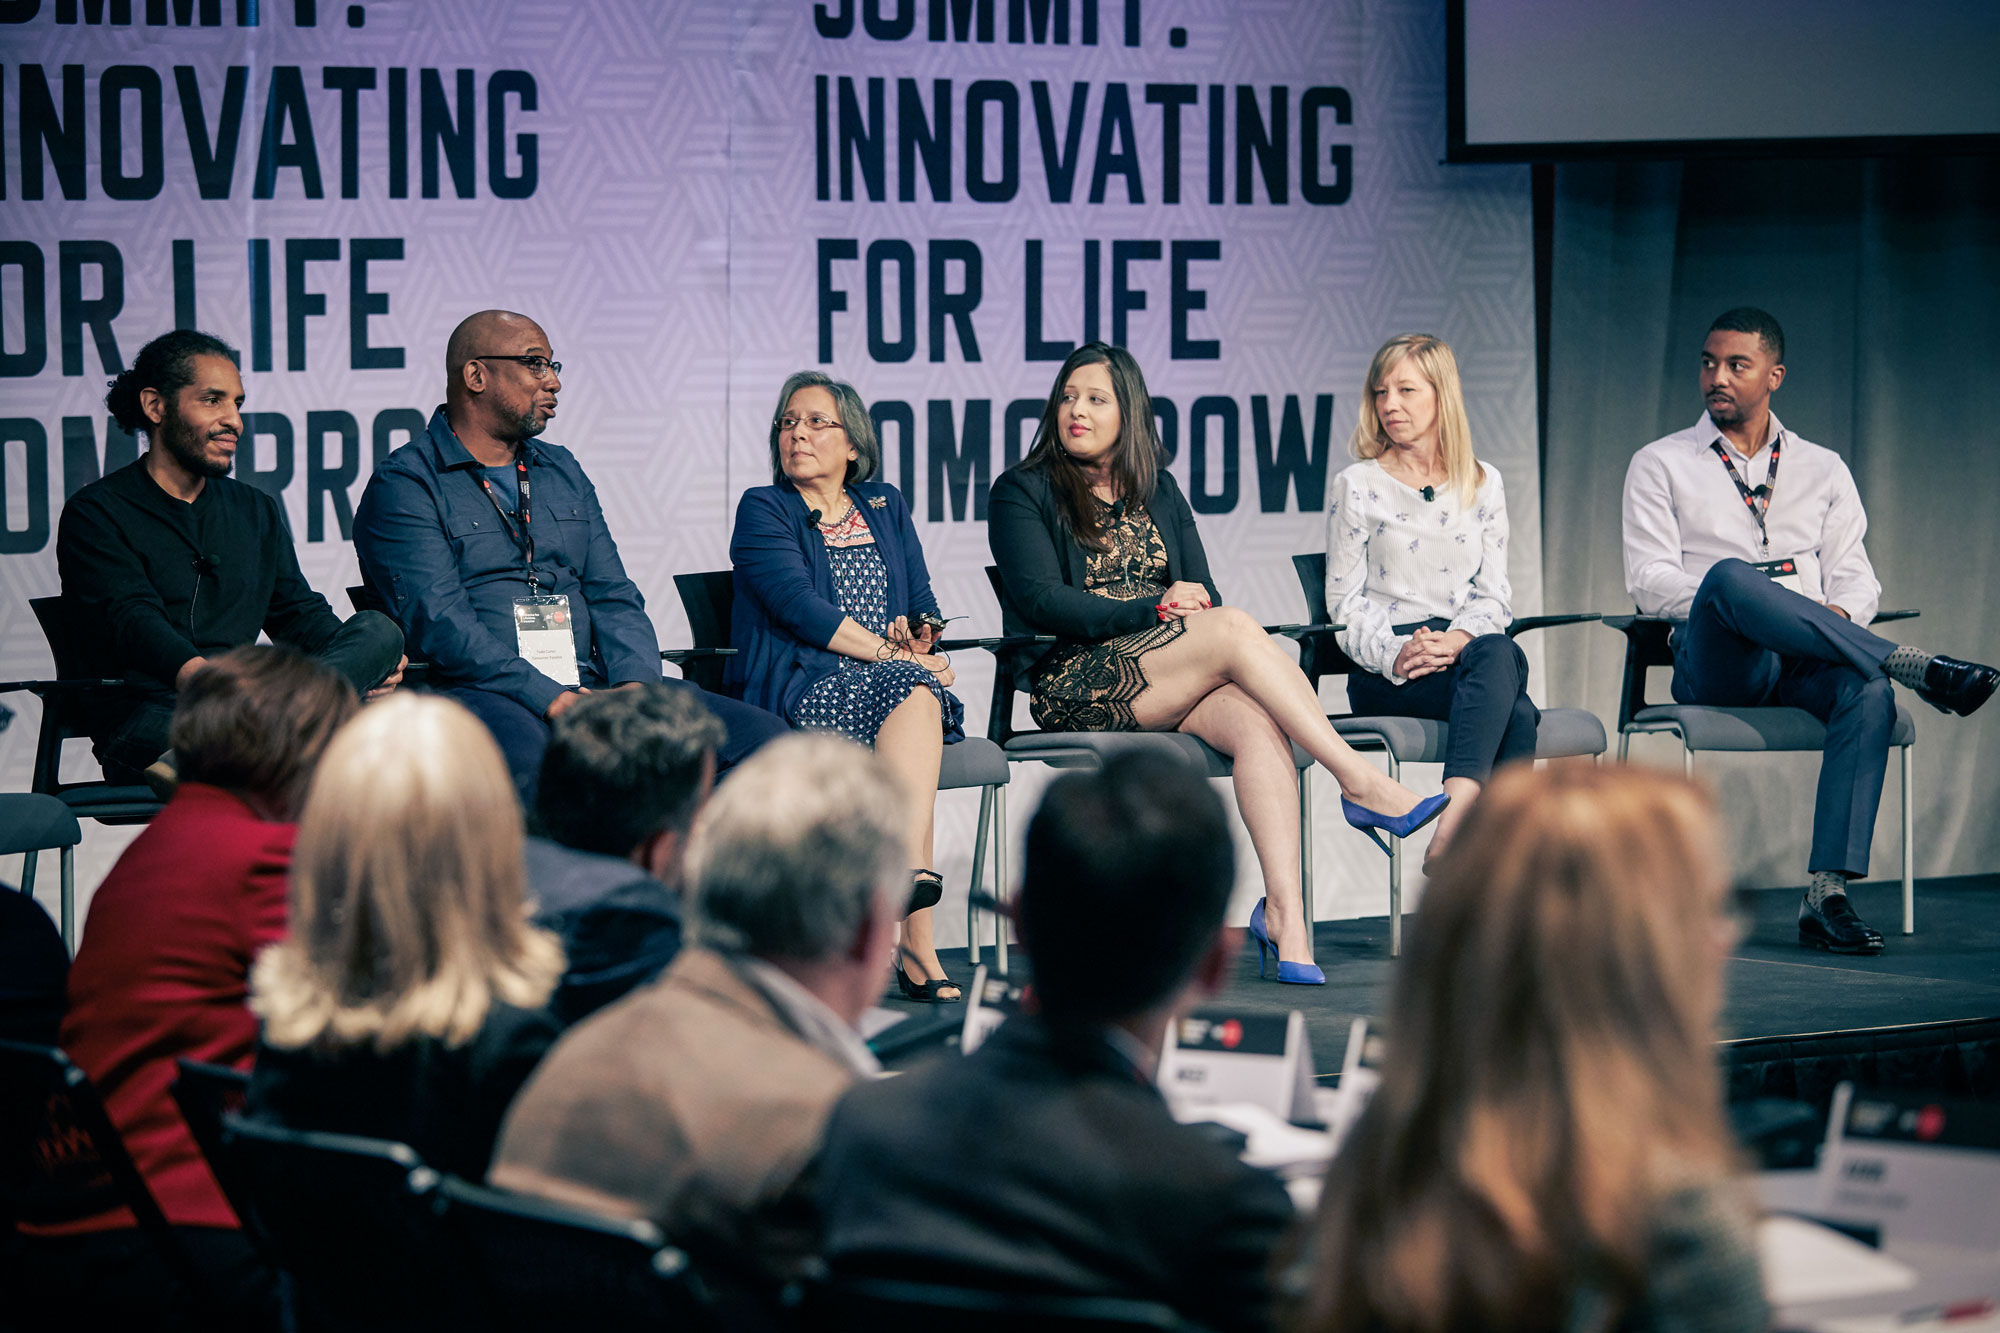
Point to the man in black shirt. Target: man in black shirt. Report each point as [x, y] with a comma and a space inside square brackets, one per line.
[169, 561]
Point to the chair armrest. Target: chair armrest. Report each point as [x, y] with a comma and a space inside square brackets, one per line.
[678, 656]
[1626, 624]
[1304, 632]
[1527, 623]
[45, 688]
[1884, 617]
[996, 645]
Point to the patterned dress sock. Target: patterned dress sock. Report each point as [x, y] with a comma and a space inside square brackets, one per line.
[1825, 883]
[1906, 666]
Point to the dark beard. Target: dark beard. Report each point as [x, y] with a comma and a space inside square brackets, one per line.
[181, 441]
[1726, 414]
[524, 426]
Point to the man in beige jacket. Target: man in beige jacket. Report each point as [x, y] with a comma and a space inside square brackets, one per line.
[700, 1100]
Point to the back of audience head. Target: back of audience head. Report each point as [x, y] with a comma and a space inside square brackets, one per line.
[625, 772]
[799, 857]
[256, 720]
[408, 907]
[1551, 1074]
[1123, 893]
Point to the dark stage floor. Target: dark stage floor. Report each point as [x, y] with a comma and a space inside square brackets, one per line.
[1949, 969]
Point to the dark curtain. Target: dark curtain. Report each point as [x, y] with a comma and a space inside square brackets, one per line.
[1886, 277]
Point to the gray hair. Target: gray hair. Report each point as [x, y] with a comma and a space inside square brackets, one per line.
[797, 849]
[860, 426]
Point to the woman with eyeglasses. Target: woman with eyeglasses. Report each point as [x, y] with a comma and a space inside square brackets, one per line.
[1097, 546]
[835, 626]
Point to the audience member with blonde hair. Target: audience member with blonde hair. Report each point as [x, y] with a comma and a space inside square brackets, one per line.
[165, 968]
[406, 1000]
[1416, 572]
[1547, 1149]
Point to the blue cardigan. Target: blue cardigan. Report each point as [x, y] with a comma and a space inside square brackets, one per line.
[786, 611]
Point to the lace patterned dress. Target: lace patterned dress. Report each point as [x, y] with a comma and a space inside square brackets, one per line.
[858, 697]
[1092, 686]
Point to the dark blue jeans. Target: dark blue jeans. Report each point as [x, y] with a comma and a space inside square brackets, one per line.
[523, 734]
[1483, 695]
[1749, 643]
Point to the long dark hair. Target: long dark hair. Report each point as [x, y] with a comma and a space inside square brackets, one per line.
[1135, 466]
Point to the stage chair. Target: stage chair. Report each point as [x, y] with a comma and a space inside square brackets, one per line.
[890, 1303]
[542, 1266]
[32, 822]
[1089, 749]
[62, 1160]
[1565, 733]
[1744, 730]
[350, 1223]
[710, 601]
[67, 704]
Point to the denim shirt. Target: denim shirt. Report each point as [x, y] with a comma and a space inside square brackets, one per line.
[432, 544]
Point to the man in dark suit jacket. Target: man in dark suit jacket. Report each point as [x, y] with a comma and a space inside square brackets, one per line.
[623, 777]
[1047, 1161]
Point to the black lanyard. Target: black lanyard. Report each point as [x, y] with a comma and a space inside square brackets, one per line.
[1752, 499]
[526, 539]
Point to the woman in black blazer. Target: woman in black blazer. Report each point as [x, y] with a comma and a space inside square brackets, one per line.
[1097, 546]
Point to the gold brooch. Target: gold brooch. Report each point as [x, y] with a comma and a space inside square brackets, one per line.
[878, 502]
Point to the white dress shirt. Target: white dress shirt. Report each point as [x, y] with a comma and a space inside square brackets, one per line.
[1393, 557]
[1683, 513]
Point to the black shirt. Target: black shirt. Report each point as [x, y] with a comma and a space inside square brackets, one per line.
[128, 553]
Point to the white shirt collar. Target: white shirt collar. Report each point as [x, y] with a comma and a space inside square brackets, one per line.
[1706, 432]
[810, 1016]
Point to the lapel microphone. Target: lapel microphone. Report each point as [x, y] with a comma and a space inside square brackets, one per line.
[812, 516]
[1429, 493]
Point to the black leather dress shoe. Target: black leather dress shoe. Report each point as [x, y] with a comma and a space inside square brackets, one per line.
[1833, 926]
[1952, 686]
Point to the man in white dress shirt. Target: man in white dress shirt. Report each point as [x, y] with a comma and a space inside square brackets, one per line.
[1771, 586]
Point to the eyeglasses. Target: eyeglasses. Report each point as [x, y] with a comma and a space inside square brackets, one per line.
[538, 366]
[815, 423]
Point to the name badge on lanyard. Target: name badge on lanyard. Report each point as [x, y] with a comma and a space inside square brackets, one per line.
[543, 631]
[1784, 573]
[546, 637]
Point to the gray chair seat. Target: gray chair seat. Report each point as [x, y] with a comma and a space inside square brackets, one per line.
[32, 822]
[1570, 733]
[1412, 740]
[972, 762]
[1704, 727]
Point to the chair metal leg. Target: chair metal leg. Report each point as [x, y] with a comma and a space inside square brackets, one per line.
[978, 876]
[1624, 745]
[1306, 845]
[1395, 875]
[1909, 852]
[1687, 760]
[1000, 875]
[68, 858]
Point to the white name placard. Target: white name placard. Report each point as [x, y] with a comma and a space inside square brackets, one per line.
[1217, 1056]
[1922, 1170]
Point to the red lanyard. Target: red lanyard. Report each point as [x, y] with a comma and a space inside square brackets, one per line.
[1752, 498]
[527, 538]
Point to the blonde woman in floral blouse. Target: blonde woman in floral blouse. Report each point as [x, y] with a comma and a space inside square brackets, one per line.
[1416, 571]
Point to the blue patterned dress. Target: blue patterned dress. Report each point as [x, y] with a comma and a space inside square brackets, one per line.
[858, 697]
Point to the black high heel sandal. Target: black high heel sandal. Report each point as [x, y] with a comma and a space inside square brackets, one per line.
[926, 992]
[926, 890]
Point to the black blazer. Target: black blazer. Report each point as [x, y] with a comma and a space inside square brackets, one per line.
[1042, 565]
[1047, 1165]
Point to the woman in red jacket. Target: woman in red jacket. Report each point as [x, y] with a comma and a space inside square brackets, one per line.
[163, 971]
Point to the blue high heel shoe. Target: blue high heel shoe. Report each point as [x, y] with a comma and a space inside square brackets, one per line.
[1293, 974]
[1396, 826]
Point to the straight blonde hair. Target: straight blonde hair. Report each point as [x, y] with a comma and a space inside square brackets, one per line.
[1439, 367]
[1551, 1075]
[408, 897]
